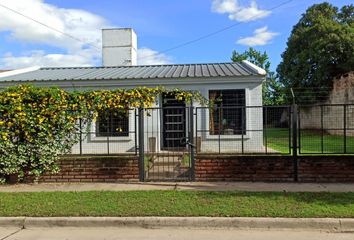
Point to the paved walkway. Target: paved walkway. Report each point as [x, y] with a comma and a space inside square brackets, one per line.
[198, 186]
[165, 234]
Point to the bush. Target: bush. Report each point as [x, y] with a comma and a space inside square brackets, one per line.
[37, 125]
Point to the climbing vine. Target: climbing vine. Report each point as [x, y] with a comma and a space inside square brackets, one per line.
[37, 124]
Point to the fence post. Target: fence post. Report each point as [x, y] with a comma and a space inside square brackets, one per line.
[322, 130]
[135, 132]
[141, 144]
[345, 127]
[219, 137]
[265, 129]
[192, 143]
[243, 129]
[80, 144]
[295, 147]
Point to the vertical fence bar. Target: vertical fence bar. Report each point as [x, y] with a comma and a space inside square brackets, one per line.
[265, 129]
[135, 132]
[107, 145]
[322, 129]
[345, 127]
[196, 130]
[298, 113]
[289, 128]
[294, 126]
[243, 131]
[80, 144]
[191, 142]
[220, 122]
[109, 129]
[141, 144]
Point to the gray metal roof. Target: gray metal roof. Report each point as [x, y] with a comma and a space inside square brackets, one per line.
[136, 72]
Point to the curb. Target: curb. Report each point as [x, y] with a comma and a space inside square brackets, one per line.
[325, 224]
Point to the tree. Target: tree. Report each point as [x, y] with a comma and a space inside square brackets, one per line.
[320, 47]
[272, 90]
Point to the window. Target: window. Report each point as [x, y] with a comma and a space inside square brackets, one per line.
[228, 116]
[112, 124]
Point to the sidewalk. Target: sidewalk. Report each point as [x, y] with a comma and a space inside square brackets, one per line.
[319, 224]
[168, 234]
[197, 186]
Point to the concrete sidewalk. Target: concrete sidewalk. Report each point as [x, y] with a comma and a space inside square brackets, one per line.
[167, 234]
[197, 186]
[323, 224]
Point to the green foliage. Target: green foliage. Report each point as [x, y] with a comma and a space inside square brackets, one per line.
[311, 141]
[254, 56]
[37, 125]
[320, 47]
[272, 91]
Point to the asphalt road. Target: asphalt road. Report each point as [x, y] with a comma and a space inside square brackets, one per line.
[164, 234]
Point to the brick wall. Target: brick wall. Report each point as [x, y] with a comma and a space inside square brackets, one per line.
[212, 168]
[243, 168]
[274, 168]
[326, 169]
[96, 169]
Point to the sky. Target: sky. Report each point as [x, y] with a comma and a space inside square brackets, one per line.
[62, 33]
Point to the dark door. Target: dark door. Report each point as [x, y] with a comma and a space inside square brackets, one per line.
[173, 123]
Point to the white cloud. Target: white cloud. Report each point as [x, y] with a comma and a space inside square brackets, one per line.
[81, 24]
[40, 58]
[261, 36]
[147, 56]
[224, 6]
[237, 12]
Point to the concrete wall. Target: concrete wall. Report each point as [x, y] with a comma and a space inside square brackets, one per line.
[343, 89]
[333, 116]
[119, 47]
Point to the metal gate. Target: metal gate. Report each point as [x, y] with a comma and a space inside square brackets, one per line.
[166, 149]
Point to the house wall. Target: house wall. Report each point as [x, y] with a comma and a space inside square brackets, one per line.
[253, 140]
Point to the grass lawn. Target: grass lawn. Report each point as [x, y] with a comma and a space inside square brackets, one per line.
[177, 203]
[278, 139]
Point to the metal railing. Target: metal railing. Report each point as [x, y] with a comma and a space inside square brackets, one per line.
[326, 129]
[310, 129]
[244, 130]
[108, 135]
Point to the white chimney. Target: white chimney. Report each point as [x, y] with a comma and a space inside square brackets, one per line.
[119, 46]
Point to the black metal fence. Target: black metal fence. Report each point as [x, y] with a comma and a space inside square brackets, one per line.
[164, 143]
[244, 130]
[111, 133]
[326, 129]
[311, 129]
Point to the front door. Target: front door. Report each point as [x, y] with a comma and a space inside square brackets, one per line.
[173, 123]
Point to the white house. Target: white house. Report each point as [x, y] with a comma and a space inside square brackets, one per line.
[237, 125]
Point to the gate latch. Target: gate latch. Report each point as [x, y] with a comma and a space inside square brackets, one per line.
[186, 141]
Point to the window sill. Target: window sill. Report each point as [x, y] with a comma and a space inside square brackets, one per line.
[111, 139]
